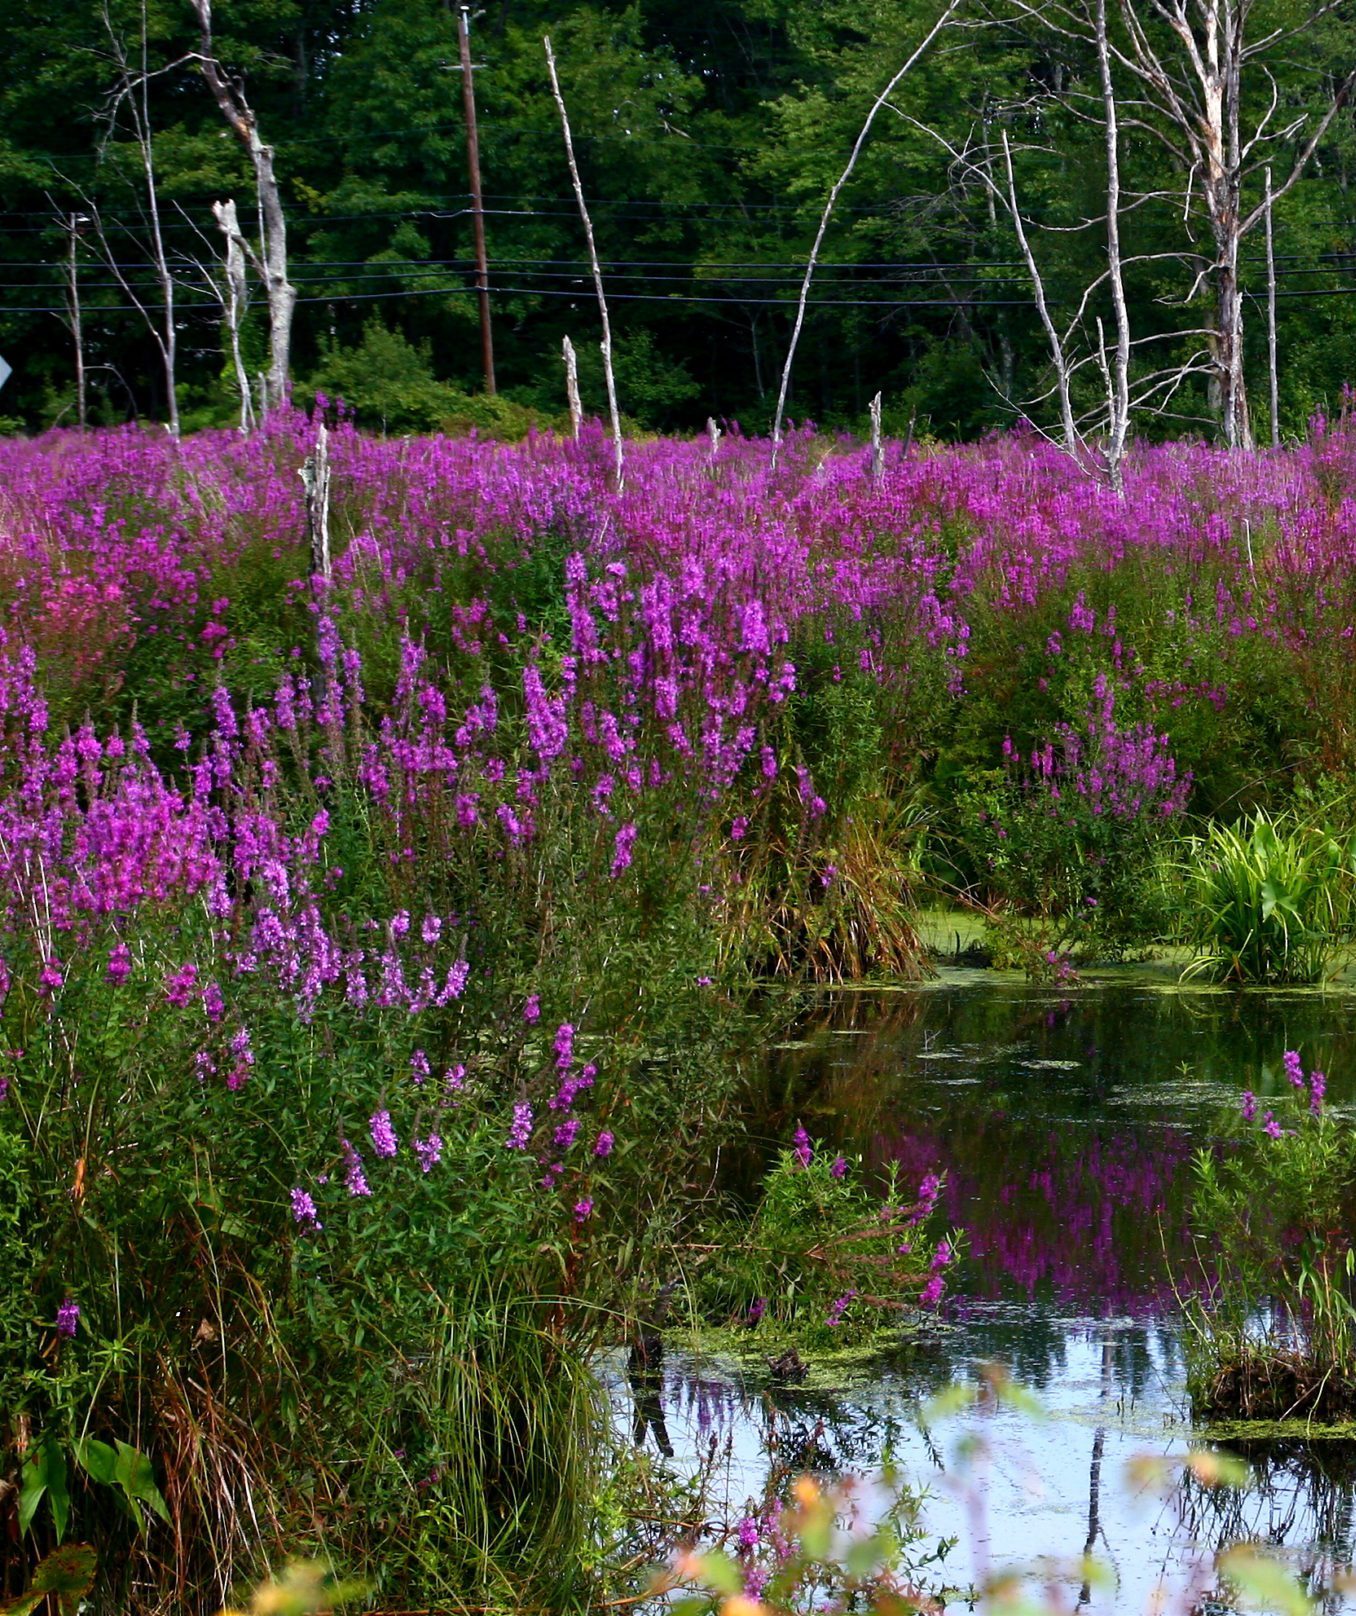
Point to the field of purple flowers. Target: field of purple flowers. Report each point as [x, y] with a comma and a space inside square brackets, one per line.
[373, 946]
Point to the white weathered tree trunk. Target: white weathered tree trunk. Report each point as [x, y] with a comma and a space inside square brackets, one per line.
[572, 389]
[225, 215]
[843, 178]
[877, 447]
[606, 344]
[1118, 391]
[270, 257]
[1058, 357]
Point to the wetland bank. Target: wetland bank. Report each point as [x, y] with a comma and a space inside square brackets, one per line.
[452, 978]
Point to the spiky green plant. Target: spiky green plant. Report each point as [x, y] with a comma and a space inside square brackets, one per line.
[1268, 900]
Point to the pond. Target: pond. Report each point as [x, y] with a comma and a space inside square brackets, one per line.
[1065, 1120]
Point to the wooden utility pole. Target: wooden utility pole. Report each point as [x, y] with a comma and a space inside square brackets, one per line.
[468, 96]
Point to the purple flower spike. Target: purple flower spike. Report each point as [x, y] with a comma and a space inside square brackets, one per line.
[68, 1318]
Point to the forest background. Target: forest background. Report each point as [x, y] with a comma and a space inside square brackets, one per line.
[708, 137]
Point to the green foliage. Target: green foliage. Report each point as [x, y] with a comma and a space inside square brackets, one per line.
[1267, 900]
[62, 1578]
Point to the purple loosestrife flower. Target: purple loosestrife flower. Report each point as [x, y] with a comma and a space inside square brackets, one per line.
[454, 1078]
[840, 1167]
[803, 1150]
[419, 1067]
[429, 1152]
[1249, 1106]
[384, 1140]
[566, 1133]
[748, 1533]
[564, 1045]
[1294, 1069]
[1318, 1087]
[68, 1318]
[838, 1307]
[602, 1146]
[354, 1176]
[757, 1307]
[622, 845]
[432, 929]
[4, 1089]
[521, 1130]
[119, 964]
[1270, 1127]
[931, 1293]
[532, 1009]
[303, 1210]
[583, 1210]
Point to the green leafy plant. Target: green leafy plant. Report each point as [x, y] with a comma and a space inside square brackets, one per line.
[1267, 900]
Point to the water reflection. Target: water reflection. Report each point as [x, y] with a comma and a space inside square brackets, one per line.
[1065, 1122]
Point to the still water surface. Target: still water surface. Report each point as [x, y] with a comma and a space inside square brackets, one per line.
[1065, 1121]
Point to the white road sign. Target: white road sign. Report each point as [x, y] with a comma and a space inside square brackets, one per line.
[4, 371]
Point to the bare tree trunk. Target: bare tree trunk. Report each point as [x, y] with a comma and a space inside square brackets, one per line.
[133, 91]
[606, 344]
[270, 260]
[315, 477]
[225, 215]
[714, 434]
[572, 390]
[877, 447]
[1118, 399]
[841, 181]
[77, 326]
[1272, 375]
[1057, 355]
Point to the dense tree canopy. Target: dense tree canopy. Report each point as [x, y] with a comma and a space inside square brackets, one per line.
[708, 137]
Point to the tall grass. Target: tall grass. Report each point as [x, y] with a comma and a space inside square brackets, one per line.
[1269, 900]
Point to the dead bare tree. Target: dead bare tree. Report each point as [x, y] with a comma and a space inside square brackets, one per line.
[606, 344]
[813, 260]
[269, 258]
[1117, 375]
[74, 224]
[1187, 69]
[129, 104]
[1273, 382]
